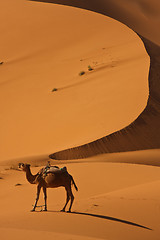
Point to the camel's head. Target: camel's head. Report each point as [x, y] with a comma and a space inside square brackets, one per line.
[23, 166]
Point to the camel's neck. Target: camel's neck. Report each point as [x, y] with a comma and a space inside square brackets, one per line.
[31, 178]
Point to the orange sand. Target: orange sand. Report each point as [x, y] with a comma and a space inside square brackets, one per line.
[36, 120]
[46, 46]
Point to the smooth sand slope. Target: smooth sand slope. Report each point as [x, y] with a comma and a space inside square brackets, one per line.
[114, 201]
[43, 48]
[144, 18]
[141, 15]
[46, 46]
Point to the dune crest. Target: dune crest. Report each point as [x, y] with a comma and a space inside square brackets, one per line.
[51, 53]
[144, 132]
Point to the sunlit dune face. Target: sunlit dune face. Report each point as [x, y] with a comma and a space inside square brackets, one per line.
[47, 47]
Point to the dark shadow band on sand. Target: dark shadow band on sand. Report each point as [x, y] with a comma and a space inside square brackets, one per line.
[106, 218]
[111, 219]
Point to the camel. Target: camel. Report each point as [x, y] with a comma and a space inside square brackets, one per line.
[50, 179]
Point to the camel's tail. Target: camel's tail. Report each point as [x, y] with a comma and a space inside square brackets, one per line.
[73, 182]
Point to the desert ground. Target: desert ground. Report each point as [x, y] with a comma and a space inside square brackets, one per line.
[69, 77]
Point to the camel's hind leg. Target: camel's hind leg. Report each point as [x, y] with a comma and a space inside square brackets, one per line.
[67, 200]
[71, 197]
[45, 198]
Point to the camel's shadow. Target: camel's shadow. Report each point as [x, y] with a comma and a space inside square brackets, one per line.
[107, 218]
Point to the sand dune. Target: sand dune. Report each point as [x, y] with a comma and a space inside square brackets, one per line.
[143, 133]
[141, 15]
[111, 198]
[39, 59]
[44, 46]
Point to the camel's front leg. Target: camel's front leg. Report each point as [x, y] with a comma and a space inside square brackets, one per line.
[37, 198]
[45, 198]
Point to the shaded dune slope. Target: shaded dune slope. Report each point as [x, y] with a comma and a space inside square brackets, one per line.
[144, 132]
